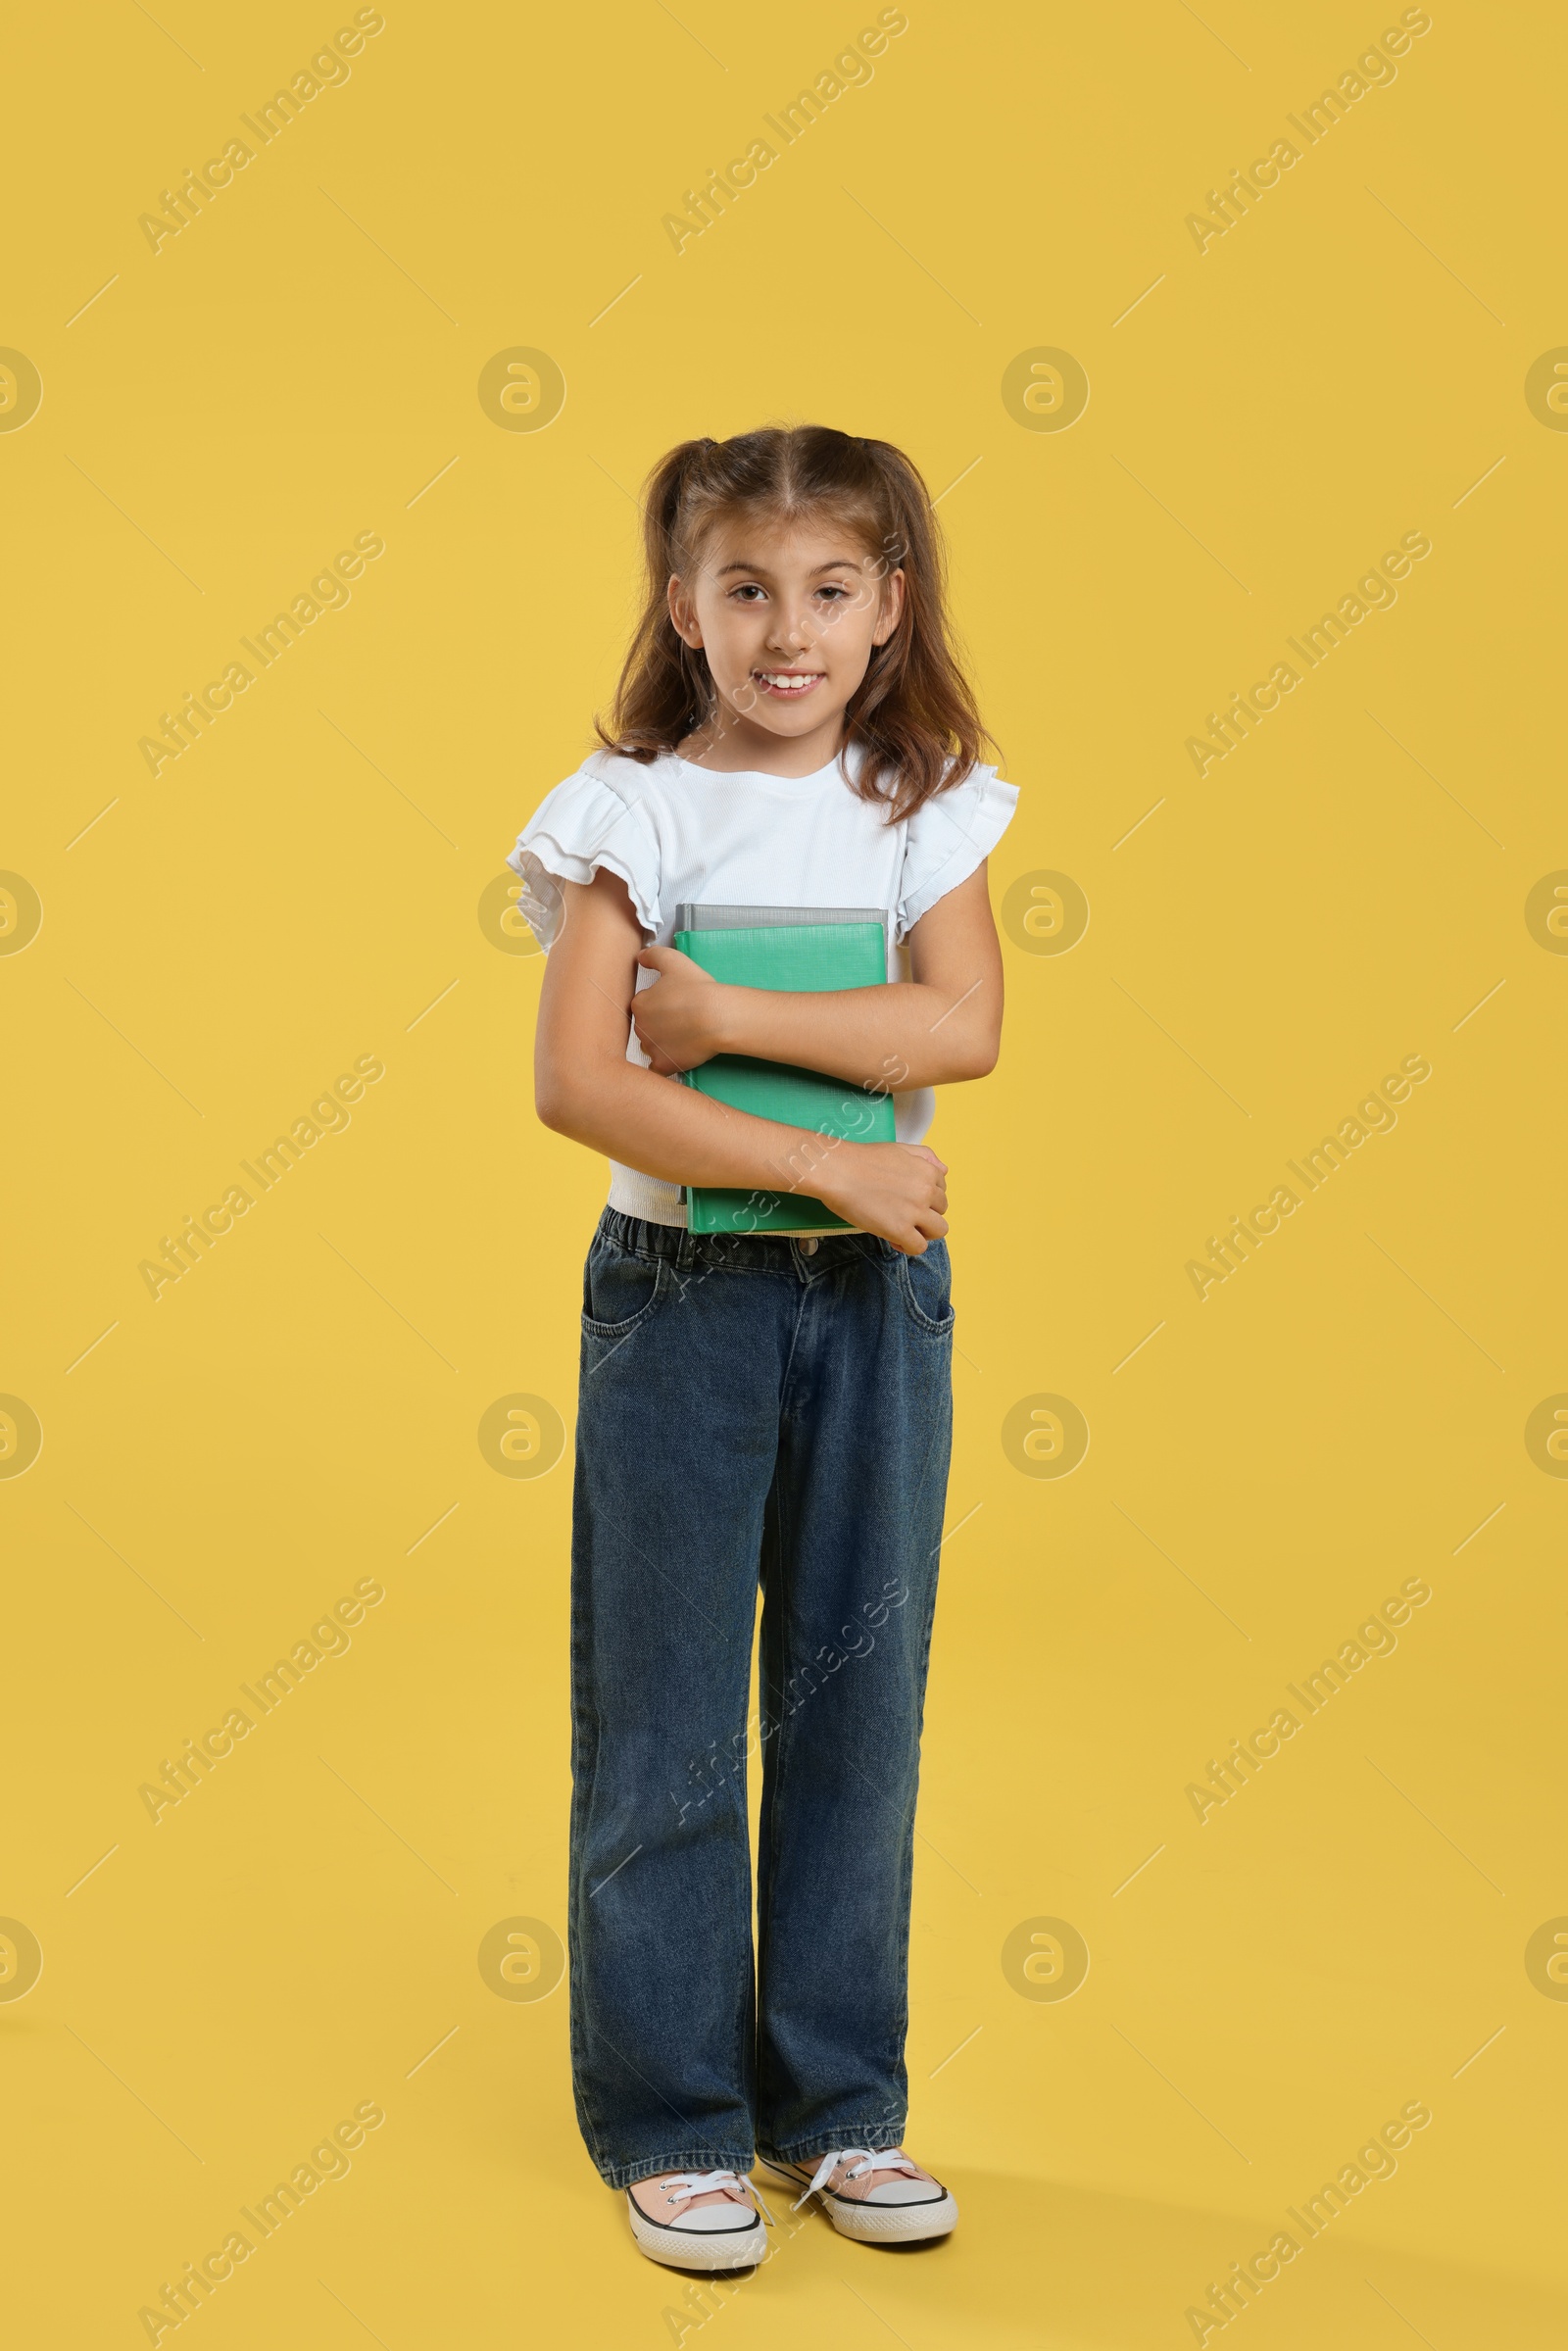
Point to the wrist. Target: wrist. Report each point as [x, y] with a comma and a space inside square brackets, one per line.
[732, 1026]
[835, 1173]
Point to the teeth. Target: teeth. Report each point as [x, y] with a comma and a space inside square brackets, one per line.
[785, 683]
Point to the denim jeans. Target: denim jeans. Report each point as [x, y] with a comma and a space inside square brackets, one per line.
[752, 1412]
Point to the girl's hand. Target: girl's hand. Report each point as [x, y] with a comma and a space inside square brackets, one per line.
[680, 1020]
[896, 1190]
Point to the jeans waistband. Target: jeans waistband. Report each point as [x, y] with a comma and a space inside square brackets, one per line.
[755, 1250]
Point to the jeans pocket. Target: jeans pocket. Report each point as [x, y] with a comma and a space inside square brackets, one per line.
[925, 1285]
[620, 1291]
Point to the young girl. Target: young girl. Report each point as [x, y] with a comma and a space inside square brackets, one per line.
[792, 729]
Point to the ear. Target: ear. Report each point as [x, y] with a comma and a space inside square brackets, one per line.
[891, 608]
[683, 612]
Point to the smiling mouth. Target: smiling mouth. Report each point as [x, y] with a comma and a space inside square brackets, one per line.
[788, 684]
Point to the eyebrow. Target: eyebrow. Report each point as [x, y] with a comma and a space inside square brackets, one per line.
[838, 563]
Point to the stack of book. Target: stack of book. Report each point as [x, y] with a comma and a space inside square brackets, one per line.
[806, 951]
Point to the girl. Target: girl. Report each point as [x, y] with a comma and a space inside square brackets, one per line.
[792, 729]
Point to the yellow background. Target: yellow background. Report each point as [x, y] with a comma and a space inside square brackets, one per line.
[217, 1467]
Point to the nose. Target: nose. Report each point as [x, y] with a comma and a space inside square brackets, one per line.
[793, 630]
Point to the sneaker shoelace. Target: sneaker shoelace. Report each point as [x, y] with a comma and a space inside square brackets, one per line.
[684, 2185]
[860, 2160]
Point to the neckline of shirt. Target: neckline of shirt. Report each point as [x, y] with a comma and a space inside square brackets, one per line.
[760, 776]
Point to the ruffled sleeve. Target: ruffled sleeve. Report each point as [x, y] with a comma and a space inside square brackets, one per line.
[947, 839]
[596, 818]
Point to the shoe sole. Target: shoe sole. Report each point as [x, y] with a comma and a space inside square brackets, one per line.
[882, 2224]
[695, 2249]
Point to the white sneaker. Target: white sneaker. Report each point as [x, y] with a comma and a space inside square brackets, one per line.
[877, 2195]
[698, 2219]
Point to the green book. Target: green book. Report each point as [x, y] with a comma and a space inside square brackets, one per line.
[806, 950]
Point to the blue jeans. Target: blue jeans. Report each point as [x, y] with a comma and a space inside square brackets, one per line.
[751, 1411]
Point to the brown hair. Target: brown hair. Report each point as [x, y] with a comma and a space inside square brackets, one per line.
[913, 714]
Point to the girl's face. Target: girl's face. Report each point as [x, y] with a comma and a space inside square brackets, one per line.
[788, 615]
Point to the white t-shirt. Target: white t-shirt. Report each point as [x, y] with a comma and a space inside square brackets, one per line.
[677, 833]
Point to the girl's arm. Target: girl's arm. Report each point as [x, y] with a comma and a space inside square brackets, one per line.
[942, 1024]
[584, 1087]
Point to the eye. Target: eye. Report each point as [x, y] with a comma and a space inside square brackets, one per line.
[834, 590]
[747, 591]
